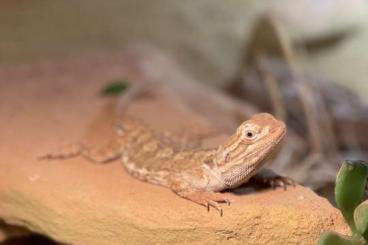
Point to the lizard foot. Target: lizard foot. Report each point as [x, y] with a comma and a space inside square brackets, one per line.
[209, 199]
[279, 181]
[270, 178]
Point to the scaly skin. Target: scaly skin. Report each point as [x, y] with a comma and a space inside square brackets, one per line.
[195, 174]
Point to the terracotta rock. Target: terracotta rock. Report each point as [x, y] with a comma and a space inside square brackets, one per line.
[74, 201]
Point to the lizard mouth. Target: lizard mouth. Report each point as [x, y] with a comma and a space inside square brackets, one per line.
[277, 136]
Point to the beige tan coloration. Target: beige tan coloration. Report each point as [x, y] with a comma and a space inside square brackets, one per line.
[195, 174]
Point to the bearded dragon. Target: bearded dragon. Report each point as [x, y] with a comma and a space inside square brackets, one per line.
[198, 175]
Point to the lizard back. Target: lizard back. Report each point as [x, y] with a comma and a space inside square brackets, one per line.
[153, 156]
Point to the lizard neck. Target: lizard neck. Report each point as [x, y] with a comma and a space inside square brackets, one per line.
[236, 163]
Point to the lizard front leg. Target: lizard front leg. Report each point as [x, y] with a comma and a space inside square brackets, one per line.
[204, 198]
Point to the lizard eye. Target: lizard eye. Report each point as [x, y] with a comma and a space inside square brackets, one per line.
[250, 134]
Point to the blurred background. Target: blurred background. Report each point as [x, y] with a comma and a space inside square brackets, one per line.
[305, 61]
[206, 37]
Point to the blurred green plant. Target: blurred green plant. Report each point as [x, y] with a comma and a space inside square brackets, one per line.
[115, 88]
[350, 186]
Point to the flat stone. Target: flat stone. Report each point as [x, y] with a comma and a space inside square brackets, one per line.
[76, 202]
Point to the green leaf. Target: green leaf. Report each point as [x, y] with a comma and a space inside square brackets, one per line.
[115, 88]
[349, 189]
[333, 238]
[361, 219]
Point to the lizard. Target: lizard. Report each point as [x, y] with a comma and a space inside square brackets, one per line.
[198, 175]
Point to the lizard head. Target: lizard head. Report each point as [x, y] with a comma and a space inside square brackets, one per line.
[241, 155]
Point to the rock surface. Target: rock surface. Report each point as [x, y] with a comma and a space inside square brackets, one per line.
[74, 201]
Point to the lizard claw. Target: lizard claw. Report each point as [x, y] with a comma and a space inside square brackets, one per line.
[270, 178]
[214, 205]
[209, 199]
[280, 181]
[212, 199]
[228, 202]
